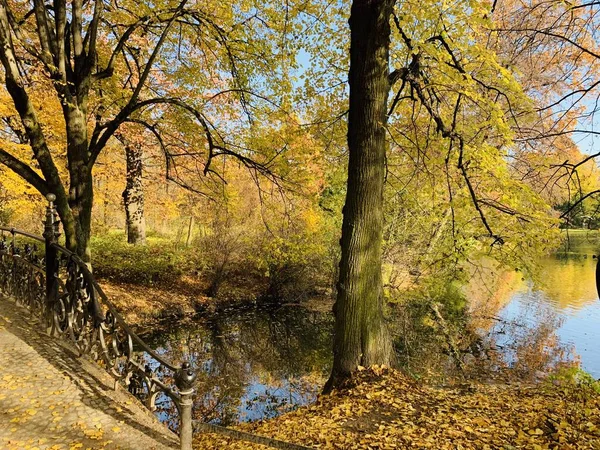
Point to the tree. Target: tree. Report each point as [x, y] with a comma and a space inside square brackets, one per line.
[361, 336]
[455, 112]
[133, 195]
[111, 63]
[554, 44]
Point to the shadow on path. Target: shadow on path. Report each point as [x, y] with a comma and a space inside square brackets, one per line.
[51, 398]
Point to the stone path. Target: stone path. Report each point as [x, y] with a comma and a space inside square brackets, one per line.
[51, 399]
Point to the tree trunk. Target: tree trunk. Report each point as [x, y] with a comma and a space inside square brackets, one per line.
[188, 241]
[81, 200]
[81, 188]
[361, 335]
[133, 196]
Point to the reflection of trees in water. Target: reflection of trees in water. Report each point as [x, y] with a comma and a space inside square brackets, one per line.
[284, 352]
[569, 280]
[565, 280]
[485, 339]
[528, 343]
[523, 347]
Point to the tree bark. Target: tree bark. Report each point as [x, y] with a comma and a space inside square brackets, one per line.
[133, 196]
[361, 335]
[81, 188]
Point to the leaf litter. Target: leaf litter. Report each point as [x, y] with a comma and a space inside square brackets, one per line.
[381, 408]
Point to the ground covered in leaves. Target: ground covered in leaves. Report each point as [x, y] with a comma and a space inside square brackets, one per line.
[384, 409]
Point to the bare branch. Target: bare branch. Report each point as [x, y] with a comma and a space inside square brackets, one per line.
[579, 201]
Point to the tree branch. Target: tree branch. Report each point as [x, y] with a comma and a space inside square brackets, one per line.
[24, 171]
[579, 201]
[44, 33]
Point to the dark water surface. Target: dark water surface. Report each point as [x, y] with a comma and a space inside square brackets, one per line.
[254, 364]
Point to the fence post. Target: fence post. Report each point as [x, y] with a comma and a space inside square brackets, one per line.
[184, 380]
[51, 258]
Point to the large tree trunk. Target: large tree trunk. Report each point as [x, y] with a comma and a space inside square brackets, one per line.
[133, 196]
[81, 188]
[81, 200]
[361, 335]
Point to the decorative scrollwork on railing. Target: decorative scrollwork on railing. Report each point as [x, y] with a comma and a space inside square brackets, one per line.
[84, 315]
[22, 272]
[62, 291]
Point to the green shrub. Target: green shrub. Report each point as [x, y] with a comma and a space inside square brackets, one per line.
[575, 382]
[295, 266]
[159, 261]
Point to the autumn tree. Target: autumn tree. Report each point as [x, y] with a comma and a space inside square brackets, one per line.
[111, 63]
[133, 194]
[455, 109]
[554, 46]
[361, 336]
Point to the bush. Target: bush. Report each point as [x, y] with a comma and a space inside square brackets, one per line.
[159, 261]
[295, 266]
[243, 263]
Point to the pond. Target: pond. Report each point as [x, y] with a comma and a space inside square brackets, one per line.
[260, 362]
[565, 292]
[254, 364]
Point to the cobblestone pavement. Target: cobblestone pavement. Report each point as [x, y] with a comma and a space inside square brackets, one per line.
[51, 399]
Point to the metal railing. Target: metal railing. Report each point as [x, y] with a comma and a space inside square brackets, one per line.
[56, 285]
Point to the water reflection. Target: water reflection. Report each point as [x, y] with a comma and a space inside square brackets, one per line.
[489, 290]
[566, 288]
[568, 281]
[254, 364]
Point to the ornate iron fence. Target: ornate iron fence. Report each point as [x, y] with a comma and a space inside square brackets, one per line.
[53, 283]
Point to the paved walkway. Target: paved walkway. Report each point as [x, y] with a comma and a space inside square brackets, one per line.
[51, 399]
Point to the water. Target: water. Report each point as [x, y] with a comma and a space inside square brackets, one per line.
[259, 363]
[565, 291]
[254, 364]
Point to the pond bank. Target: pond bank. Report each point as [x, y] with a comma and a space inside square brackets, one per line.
[163, 280]
[148, 307]
[384, 409]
